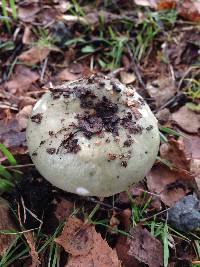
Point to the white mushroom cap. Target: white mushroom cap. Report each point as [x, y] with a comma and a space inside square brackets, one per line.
[93, 137]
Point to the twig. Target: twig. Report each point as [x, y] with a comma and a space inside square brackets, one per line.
[19, 166]
[43, 69]
[135, 68]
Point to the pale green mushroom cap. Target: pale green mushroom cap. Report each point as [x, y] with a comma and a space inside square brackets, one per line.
[93, 137]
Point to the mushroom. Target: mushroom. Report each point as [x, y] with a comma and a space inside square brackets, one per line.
[93, 136]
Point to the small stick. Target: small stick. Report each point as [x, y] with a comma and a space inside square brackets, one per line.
[135, 68]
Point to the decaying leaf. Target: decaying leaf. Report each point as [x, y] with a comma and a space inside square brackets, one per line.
[189, 9]
[33, 252]
[145, 248]
[161, 90]
[127, 77]
[168, 184]
[187, 120]
[85, 246]
[5, 224]
[122, 248]
[63, 209]
[34, 55]
[175, 153]
[21, 80]
[66, 75]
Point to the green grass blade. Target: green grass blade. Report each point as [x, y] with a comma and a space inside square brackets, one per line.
[4, 173]
[5, 185]
[14, 10]
[5, 14]
[165, 244]
[8, 155]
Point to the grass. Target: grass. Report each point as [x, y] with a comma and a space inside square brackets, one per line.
[6, 18]
[193, 93]
[111, 45]
[7, 178]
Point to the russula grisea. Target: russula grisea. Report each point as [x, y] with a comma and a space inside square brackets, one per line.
[94, 136]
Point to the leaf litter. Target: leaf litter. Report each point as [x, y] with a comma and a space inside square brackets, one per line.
[64, 41]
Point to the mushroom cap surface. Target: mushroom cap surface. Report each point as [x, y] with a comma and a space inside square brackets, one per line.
[94, 136]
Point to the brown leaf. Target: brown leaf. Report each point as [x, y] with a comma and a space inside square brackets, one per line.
[63, 209]
[85, 246]
[66, 75]
[189, 9]
[127, 77]
[168, 184]
[145, 248]
[187, 120]
[192, 146]
[175, 153]
[22, 117]
[34, 55]
[161, 90]
[33, 252]
[28, 13]
[122, 248]
[21, 80]
[195, 168]
[5, 224]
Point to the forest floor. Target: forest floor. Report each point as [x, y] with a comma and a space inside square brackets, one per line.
[155, 47]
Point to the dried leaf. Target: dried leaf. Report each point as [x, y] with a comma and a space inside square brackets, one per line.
[66, 75]
[85, 246]
[168, 184]
[122, 248]
[192, 146]
[5, 224]
[22, 117]
[145, 248]
[28, 13]
[34, 55]
[33, 252]
[187, 120]
[189, 9]
[63, 209]
[175, 153]
[21, 80]
[195, 168]
[127, 77]
[161, 90]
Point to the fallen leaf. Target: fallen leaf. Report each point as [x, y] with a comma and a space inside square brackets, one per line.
[21, 80]
[174, 151]
[85, 246]
[63, 209]
[145, 248]
[192, 146]
[166, 4]
[28, 13]
[127, 77]
[168, 184]
[195, 169]
[10, 134]
[23, 116]
[187, 120]
[189, 9]
[5, 224]
[122, 248]
[34, 55]
[66, 75]
[161, 90]
[33, 252]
